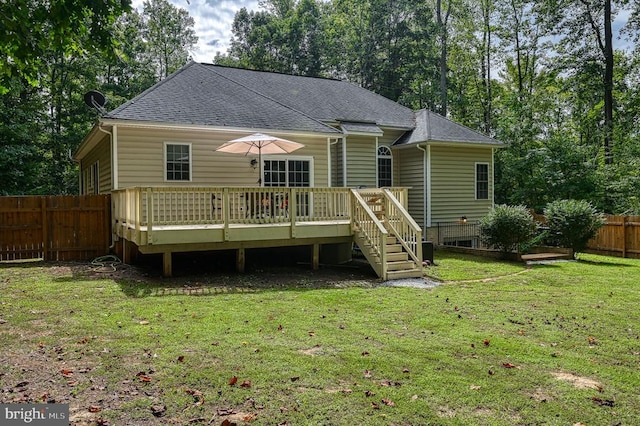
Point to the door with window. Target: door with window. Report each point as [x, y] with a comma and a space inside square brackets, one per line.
[291, 172]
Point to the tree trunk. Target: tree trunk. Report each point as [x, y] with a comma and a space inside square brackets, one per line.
[608, 84]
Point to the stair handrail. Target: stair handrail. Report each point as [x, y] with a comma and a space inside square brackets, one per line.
[411, 225]
[378, 241]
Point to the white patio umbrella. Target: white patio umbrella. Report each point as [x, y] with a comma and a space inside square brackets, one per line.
[259, 143]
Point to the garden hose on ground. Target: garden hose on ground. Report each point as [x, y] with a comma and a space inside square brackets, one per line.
[108, 263]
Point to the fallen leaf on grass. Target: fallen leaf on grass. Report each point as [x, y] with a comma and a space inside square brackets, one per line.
[592, 341]
[226, 422]
[603, 402]
[83, 341]
[233, 380]
[375, 406]
[487, 342]
[369, 393]
[312, 333]
[143, 376]
[144, 323]
[367, 374]
[509, 365]
[388, 402]
[66, 373]
[475, 387]
[249, 417]
[294, 378]
[225, 411]
[346, 390]
[181, 358]
[246, 384]
[365, 353]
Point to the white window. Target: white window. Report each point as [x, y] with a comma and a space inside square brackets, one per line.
[287, 172]
[91, 179]
[177, 162]
[385, 171]
[482, 181]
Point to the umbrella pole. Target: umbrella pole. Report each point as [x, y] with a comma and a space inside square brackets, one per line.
[259, 166]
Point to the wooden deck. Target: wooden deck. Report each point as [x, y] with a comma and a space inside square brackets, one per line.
[167, 220]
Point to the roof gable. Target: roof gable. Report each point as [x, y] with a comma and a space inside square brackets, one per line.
[432, 127]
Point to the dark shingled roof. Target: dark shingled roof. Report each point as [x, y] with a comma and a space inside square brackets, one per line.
[196, 95]
[211, 95]
[222, 96]
[432, 127]
[324, 99]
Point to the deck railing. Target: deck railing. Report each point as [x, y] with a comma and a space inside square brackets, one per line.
[161, 206]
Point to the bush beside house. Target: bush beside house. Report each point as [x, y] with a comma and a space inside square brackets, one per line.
[507, 227]
[572, 223]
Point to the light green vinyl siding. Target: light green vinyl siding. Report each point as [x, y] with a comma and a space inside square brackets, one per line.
[409, 169]
[141, 158]
[337, 176]
[453, 183]
[102, 154]
[361, 161]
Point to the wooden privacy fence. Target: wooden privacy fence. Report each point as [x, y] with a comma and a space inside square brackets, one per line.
[55, 227]
[620, 236]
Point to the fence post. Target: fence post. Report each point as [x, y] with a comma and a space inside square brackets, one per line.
[624, 236]
[45, 233]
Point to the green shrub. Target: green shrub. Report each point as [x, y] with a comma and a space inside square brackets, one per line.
[572, 223]
[506, 227]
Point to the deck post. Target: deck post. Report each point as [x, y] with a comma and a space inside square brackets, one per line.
[315, 257]
[126, 253]
[240, 259]
[166, 264]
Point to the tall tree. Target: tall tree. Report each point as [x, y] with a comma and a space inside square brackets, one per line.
[169, 34]
[586, 30]
[31, 28]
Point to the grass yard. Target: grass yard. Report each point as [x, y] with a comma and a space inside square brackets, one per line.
[495, 344]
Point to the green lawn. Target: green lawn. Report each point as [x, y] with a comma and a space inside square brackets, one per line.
[495, 344]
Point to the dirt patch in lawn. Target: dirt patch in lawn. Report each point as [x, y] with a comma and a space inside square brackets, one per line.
[577, 381]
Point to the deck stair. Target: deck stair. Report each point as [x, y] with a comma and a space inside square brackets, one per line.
[390, 255]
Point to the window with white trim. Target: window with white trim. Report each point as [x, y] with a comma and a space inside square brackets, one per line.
[177, 162]
[385, 171]
[482, 181]
[287, 172]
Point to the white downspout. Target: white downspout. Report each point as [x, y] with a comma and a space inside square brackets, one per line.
[493, 177]
[330, 171]
[426, 179]
[344, 161]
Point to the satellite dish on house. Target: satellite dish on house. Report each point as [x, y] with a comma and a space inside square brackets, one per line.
[96, 100]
